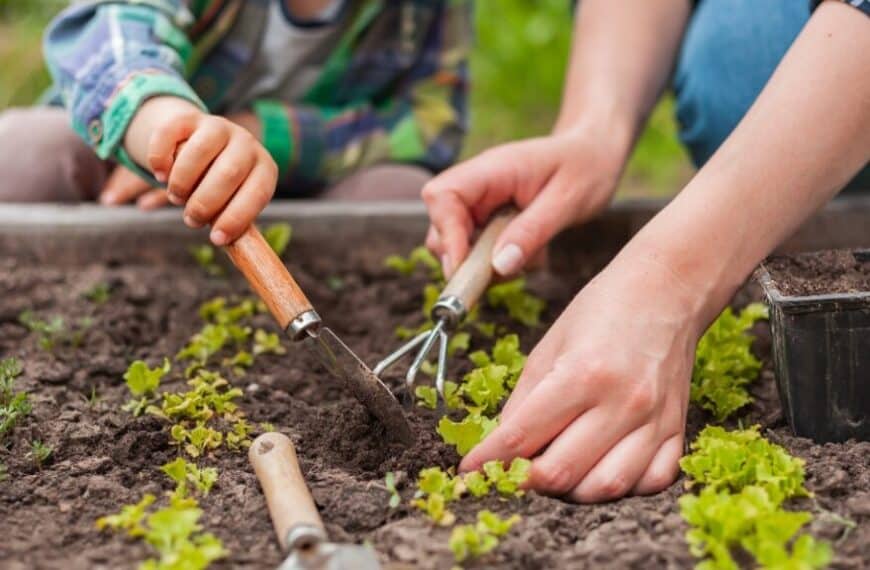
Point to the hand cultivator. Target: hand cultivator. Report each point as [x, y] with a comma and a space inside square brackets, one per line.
[458, 297]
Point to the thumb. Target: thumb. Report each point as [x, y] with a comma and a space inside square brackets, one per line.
[532, 229]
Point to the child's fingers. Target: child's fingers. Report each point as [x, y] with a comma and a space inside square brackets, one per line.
[163, 142]
[153, 199]
[194, 158]
[247, 203]
[122, 187]
[223, 178]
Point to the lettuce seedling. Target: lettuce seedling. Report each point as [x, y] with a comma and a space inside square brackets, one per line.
[521, 305]
[267, 343]
[724, 363]
[471, 541]
[725, 460]
[419, 257]
[485, 387]
[204, 256]
[183, 473]
[143, 383]
[98, 294]
[721, 521]
[477, 483]
[436, 488]
[390, 484]
[13, 405]
[49, 333]
[240, 436]
[508, 482]
[39, 453]
[505, 352]
[175, 533]
[197, 441]
[468, 432]
[130, 518]
[278, 237]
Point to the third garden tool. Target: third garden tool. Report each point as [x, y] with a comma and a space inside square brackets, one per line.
[458, 297]
[294, 514]
[271, 280]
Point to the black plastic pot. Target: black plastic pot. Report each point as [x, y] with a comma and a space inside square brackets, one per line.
[821, 352]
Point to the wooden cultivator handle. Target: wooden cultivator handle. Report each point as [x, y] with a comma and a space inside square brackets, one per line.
[474, 275]
[268, 276]
[287, 496]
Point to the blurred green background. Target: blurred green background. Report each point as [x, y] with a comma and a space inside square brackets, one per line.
[517, 68]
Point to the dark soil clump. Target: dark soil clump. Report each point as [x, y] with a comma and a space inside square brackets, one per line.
[821, 273]
[104, 458]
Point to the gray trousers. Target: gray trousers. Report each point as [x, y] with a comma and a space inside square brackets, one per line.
[43, 160]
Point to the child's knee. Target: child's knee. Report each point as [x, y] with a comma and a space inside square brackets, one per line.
[43, 160]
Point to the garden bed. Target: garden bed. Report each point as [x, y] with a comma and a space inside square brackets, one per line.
[104, 458]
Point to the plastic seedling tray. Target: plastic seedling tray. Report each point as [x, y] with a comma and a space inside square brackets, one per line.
[821, 350]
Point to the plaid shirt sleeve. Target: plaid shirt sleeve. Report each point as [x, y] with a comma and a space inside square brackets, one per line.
[109, 57]
[423, 122]
[863, 5]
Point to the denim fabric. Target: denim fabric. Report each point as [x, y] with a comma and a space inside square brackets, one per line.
[730, 51]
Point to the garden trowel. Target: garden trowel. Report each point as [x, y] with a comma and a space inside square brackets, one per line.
[294, 514]
[271, 280]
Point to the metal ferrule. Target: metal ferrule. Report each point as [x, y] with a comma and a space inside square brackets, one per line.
[449, 309]
[304, 536]
[306, 323]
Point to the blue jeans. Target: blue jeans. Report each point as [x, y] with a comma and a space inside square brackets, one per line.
[730, 51]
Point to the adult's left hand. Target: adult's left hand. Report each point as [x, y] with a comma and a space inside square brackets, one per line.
[601, 404]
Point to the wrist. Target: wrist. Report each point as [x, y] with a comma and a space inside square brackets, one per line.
[152, 112]
[603, 124]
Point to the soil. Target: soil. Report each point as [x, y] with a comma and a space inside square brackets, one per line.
[104, 458]
[821, 272]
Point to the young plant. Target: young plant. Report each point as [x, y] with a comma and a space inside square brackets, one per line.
[436, 488]
[267, 343]
[204, 256]
[508, 482]
[468, 432]
[472, 541]
[49, 333]
[240, 436]
[521, 305]
[129, 519]
[183, 473]
[278, 237]
[13, 405]
[197, 441]
[143, 383]
[98, 294]
[506, 352]
[724, 363]
[419, 257]
[39, 453]
[390, 484]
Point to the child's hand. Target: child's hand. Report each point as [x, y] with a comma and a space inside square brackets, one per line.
[221, 173]
[123, 186]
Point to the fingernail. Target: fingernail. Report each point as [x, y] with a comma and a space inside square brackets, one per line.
[174, 199]
[191, 223]
[160, 176]
[218, 237]
[446, 267]
[509, 260]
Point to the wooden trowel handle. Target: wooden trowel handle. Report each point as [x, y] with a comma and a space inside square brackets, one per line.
[268, 276]
[474, 275]
[287, 496]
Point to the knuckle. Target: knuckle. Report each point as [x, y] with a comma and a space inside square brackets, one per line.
[230, 169]
[641, 399]
[594, 373]
[430, 192]
[555, 477]
[197, 210]
[656, 480]
[515, 439]
[612, 488]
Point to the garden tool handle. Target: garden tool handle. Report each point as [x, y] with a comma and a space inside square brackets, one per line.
[268, 277]
[287, 496]
[267, 274]
[474, 275]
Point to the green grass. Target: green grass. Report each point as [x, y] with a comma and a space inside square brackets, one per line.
[517, 67]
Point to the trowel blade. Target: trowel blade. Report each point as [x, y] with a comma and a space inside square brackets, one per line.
[361, 382]
[329, 556]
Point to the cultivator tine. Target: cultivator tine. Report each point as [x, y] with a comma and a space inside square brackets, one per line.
[434, 335]
[441, 372]
[402, 351]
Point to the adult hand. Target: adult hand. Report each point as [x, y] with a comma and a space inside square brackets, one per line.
[556, 180]
[601, 404]
[123, 186]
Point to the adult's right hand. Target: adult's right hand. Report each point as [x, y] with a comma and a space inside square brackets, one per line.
[556, 181]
